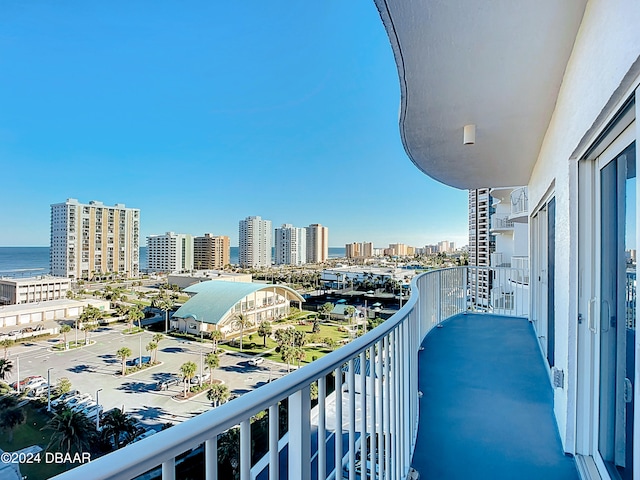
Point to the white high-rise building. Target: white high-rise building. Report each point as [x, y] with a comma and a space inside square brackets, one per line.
[291, 245]
[256, 241]
[317, 243]
[94, 240]
[170, 253]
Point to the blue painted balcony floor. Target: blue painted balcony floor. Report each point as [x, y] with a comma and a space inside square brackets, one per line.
[486, 410]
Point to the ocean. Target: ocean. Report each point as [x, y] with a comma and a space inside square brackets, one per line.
[28, 261]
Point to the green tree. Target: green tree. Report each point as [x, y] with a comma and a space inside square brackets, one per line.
[288, 355]
[165, 303]
[123, 354]
[63, 386]
[152, 347]
[264, 330]
[326, 309]
[241, 322]
[10, 418]
[212, 361]
[118, 428]
[188, 371]
[218, 393]
[72, 431]
[134, 314]
[299, 354]
[5, 344]
[64, 329]
[5, 368]
[215, 336]
[88, 328]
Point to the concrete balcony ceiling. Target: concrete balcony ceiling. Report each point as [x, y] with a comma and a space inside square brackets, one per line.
[496, 64]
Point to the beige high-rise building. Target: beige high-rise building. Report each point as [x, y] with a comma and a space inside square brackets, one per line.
[211, 252]
[359, 250]
[317, 243]
[89, 240]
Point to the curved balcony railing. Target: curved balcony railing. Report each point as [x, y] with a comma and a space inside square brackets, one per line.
[388, 415]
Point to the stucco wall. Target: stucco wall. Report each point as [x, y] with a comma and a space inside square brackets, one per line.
[605, 50]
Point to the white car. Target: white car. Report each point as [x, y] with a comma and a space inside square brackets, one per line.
[39, 390]
[35, 383]
[72, 402]
[83, 405]
[93, 411]
[64, 397]
[206, 376]
[256, 361]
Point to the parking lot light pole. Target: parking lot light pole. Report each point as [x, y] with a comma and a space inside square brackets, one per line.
[140, 338]
[49, 388]
[18, 383]
[201, 370]
[98, 403]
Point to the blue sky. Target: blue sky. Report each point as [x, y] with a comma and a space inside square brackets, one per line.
[203, 113]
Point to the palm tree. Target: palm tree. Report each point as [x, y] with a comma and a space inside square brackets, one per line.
[299, 354]
[6, 343]
[165, 303]
[288, 355]
[123, 354]
[326, 308]
[216, 336]
[152, 347]
[134, 314]
[188, 371]
[64, 329]
[213, 361]
[243, 322]
[218, 393]
[5, 368]
[118, 428]
[157, 338]
[72, 431]
[264, 330]
[88, 327]
[10, 418]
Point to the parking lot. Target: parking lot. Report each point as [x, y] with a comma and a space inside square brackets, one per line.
[96, 367]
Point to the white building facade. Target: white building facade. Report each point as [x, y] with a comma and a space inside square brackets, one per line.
[15, 291]
[256, 242]
[170, 253]
[558, 116]
[94, 240]
[291, 245]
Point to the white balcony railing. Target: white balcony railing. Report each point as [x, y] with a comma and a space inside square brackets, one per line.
[519, 201]
[388, 414]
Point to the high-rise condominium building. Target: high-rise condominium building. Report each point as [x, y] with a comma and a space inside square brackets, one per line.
[93, 239]
[481, 242]
[317, 243]
[359, 250]
[256, 240]
[291, 245]
[171, 252]
[211, 252]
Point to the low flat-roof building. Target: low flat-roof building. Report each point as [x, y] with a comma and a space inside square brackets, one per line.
[15, 291]
[33, 313]
[183, 280]
[216, 305]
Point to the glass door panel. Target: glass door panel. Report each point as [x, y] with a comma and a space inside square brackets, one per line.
[617, 313]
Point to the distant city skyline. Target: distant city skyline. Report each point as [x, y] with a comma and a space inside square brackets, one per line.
[200, 117]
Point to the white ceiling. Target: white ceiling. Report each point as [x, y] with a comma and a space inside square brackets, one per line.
[497, 64]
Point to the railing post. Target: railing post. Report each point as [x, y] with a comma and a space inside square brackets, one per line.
[169, 469]
[211, 458]
[245, 449]
[300, 434]
[274, 434]
[322, 429]
[351, 418]
[338, 422]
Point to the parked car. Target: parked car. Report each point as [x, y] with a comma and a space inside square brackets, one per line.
[144, 434]
[26, 330]
[64, 397]
[256, 361]
[83, 404]
[27, 382]
[205, 376]
[72, 402]
[164, 385]
[136, 361]
[39, 390]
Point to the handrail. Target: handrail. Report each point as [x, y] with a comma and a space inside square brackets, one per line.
[391, 389]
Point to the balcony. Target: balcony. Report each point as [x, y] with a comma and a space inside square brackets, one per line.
[519, 205]
[501, 224]
[468, 400]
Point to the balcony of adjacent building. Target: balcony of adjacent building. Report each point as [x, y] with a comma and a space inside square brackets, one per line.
[446, 388]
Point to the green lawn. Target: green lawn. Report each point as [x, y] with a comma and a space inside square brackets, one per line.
[29, 434]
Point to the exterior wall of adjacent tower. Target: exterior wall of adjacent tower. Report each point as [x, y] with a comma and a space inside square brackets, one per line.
[256, 241]
[317, 243]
